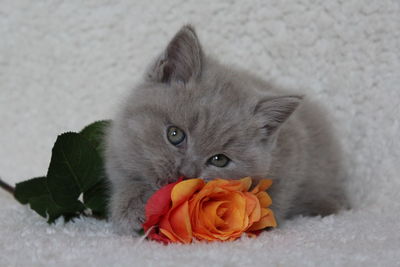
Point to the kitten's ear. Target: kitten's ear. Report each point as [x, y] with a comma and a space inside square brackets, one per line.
[182, 59]
[272, 112]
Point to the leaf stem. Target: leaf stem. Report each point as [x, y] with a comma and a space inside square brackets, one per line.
[7, 187]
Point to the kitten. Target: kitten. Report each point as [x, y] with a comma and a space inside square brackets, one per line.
[193, 116]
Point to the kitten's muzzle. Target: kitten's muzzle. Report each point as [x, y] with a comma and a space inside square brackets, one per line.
[189, 170]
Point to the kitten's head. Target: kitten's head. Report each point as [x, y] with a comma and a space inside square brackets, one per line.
[196, 118]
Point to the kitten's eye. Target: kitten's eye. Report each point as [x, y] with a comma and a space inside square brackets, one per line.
[219, 160]
[175, 135]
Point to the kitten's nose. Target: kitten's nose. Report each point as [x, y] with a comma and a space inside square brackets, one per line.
[189, 170]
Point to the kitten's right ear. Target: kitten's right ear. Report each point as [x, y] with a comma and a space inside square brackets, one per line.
[272, 112]
[181, 61]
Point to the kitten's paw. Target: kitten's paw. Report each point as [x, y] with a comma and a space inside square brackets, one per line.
[127, 208]
[129, 223]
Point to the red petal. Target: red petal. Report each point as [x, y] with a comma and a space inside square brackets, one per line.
[159, 237]
[158, 205]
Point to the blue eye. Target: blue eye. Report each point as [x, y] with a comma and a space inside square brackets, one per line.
[175, 135]
[219, 160]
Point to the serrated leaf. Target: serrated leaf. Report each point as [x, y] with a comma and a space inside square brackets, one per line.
[95, 133]
[31, 188]
[75, 167]
[35, 193]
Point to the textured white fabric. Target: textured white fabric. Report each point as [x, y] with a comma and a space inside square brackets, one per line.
[64, 64]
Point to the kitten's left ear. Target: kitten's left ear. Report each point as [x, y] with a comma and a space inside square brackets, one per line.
[272, 112]
[181, 60]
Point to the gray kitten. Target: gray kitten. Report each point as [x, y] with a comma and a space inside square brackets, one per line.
[194, 117]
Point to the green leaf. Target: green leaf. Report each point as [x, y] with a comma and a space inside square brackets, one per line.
[35, 192]
[47, 208]
[75, 167]
[95, 133]
[97, 198]
[31, 188]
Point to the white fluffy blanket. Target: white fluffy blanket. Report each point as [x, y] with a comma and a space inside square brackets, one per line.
[64, 64]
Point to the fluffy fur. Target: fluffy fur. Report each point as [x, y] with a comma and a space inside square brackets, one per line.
[266, 132]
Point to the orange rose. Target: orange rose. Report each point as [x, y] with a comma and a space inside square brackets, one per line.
[218, 210]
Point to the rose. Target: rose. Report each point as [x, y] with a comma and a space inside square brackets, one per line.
[218, 210]
[224, 209]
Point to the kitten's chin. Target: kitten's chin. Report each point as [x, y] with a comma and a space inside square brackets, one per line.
[160, 182]
[207, 179]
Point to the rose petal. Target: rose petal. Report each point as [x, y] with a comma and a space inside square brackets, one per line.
[246, 182]
[185, 189]
[171, 237]
[236, 214]
[236, 185]
[177, 223]
[262, 185]
[199, 222]
[264, 199]
[253, 208]
[267, 220]
[158, 205]
[160, 237]
[203, 226]
[211, 211]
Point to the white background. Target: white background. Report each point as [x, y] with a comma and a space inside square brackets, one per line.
[64, 64]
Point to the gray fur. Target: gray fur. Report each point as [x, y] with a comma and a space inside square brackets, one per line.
[266, 131]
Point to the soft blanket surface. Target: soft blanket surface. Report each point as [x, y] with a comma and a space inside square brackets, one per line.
[64, 64]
